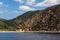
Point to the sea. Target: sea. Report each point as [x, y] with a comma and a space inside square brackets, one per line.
[29, 36]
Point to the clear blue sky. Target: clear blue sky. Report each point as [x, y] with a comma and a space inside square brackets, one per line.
[12, 8]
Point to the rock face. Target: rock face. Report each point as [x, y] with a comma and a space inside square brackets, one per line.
[51, 18]
[48, 19]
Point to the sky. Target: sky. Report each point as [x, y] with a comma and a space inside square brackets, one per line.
[10, 9]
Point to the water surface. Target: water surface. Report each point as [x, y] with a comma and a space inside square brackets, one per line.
[29, 36]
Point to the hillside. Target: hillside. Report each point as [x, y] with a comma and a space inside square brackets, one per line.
[48, 19]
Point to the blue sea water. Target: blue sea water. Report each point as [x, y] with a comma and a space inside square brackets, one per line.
[29, 36]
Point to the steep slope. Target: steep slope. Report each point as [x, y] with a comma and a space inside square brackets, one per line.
[24, 17]
[18, 22]
[48, 20]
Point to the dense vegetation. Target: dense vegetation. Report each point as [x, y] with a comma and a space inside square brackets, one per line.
[48, 19]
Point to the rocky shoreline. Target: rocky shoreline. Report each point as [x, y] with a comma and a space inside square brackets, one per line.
[30, 31]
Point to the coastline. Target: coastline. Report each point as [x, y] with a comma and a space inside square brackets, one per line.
[29, 31]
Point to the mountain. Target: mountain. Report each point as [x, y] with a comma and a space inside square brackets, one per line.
[26, 16]
[47, 19]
